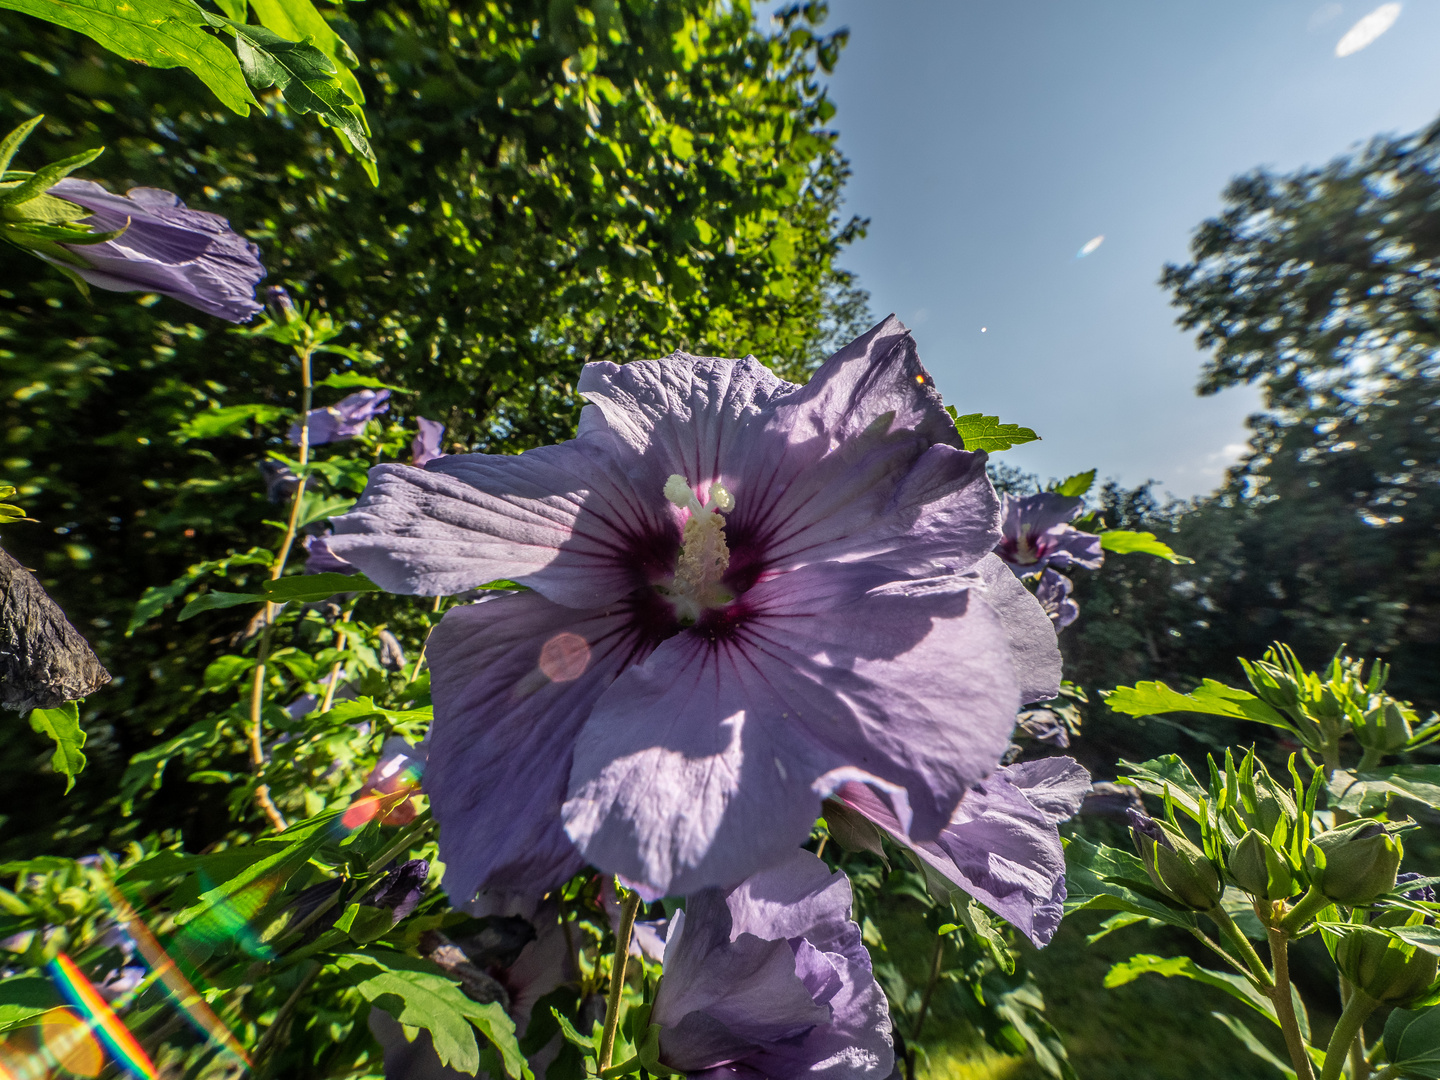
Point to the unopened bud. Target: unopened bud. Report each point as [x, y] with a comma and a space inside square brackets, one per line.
[281, 302]
[1259, 870]
[1265, 803]
[1386, 968]
[1354, 863]
[1178, 868]
[1384, 727]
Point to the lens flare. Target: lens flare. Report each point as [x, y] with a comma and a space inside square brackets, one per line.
[184, 995]
[100, 1018]
[1367, 30]
[1090, 246]
[68, 1040]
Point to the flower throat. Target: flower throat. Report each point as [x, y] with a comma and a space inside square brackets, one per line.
[704, 555]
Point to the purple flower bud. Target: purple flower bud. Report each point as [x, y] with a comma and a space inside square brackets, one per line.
[1053, 593]
[189, 255]
[401, 889]
[425, 447]
[343, 420]
[280, 301]
[280, 481]
[319, 559]
[1425, 894]
[1145, 825]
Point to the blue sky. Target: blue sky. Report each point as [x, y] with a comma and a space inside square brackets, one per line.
[990, 141]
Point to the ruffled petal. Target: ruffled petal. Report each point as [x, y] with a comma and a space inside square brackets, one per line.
[1056, 786]
[1033, 646]
[563, 519]
[513, 679]
[709, 761]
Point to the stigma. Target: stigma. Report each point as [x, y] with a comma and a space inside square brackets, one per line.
[704, 554]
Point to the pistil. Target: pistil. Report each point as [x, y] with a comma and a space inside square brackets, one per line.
[704, 555]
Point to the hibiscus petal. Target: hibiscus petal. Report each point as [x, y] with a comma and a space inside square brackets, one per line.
[1033, 645]
[709, 761]
[1054, 785]
[562, 519]
[720, 998]
[513, 679]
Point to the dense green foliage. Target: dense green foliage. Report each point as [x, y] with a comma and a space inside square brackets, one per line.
[559, 184]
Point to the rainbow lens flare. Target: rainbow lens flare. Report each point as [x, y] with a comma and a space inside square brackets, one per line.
[97, 1015]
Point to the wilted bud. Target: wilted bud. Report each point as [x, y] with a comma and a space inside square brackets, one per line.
[1259, 869]
[1178, 868]
[1390, 971]
[1354, 863]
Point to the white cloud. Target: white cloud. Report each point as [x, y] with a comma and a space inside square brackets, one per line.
[1368, 29]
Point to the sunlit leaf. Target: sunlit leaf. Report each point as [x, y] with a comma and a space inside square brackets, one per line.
[63, 726]
[1210, 697]
[980, 432]
[1125, 542]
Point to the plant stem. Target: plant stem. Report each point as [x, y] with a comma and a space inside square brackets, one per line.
[1306, 906]
[628, 908]
[1237, 937]
[329, 698]
[1280, 994]
[415, 671]
[1357, 1011]
[1359, 1067]
[283, 1014]
[935, 968]
[257, 684]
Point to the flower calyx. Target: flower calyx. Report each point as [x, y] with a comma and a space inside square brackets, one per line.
[1179, 869]
[1355, 863]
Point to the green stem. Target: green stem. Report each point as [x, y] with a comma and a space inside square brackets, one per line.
[1281, 995]
[340, 642]
[1306, 906]
[1390, 1072]
[1357, 1011]
[1359, 1067]
[629, 906]
[415, 671]
[275, 1028]
[1221, 918]
[935, 967]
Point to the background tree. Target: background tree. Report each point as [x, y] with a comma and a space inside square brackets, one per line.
[560, 183]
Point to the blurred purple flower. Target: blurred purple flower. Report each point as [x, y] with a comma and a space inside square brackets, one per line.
[689, 681]
[400, 890]
[1053, 592]
[1003, 845]
[1044, 725]
[319, 559]
[281, 483]
[1036, 533]
[188, 255]
[343, 420]
[425, 447]
[773, 981]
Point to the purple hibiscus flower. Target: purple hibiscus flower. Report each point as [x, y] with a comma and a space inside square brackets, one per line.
[188, 255]
[1053, 592]
[1036, 533]
[772, 982]
[425, 447]
[1003, 845]
[319, 559]
[686, 680]
[343, 420]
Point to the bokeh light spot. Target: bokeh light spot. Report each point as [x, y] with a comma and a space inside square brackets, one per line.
[69, 1041]
[1369, 28]
[564, 657]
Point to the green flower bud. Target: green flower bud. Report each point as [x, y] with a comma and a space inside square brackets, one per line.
[1178, 868]
[1390, 971]
[1385, 727]
[1269, 800]
[1259, 870]
[1354, 863]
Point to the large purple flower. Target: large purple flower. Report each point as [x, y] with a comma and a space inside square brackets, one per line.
[1036, 533]
[772, 982]
[189, 255]
[343, 420]
[1003, 845]
[743, 594]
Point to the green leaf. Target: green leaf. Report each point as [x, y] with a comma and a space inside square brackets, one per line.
[1412, 1041]
[24, 998]
[980, 432]
[418, 994]
[299, 21]
[1124, 542]
[157, 33]
[316, 507]
[12, 142]
[230, 420]
[364, 923]
[1210, 697]
[310, 588]
[304, 75]
[1371, 790]
[1155, 776]
[147, 768]
[1075, 486]
[349, 380]
[45, 177]
[1108, 879]
[1236, 986]
[63, 726]
[1254, 1045]
[214, 600]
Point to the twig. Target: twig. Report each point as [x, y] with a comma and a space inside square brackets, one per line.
[329, 697]
[1281, 995]
[628, 909]
[415, 671]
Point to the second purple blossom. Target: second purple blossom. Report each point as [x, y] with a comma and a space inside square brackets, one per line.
[343, 420]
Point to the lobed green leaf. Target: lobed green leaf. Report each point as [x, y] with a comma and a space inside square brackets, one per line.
[980, 432]
[1125, 542]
